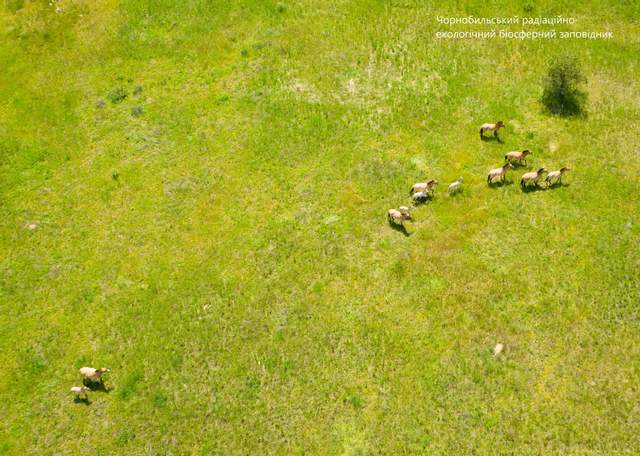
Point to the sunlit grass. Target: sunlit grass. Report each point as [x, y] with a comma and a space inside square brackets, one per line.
[209, 182]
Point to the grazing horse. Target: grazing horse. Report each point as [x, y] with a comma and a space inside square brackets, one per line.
[426, 187]
[500, 173]
[398, 216]
[532, 177]
[557, 175]
[494, 127]
[517, 156]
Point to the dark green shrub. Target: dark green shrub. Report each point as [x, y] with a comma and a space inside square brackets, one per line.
[117, 95]
[14, 5]
[562, 93]
[129, 385]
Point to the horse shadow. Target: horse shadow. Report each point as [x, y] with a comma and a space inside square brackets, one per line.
[499, 184]
[556, 185]
[400, 228]
[82, 400]
[96, 386]
[491, 138]
[420, 201]
[533, 188]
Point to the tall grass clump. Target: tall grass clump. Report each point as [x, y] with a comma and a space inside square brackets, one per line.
[562, 93]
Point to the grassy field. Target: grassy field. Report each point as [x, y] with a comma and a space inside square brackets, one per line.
[194, 194]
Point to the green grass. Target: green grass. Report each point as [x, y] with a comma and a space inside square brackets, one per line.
[218, 236]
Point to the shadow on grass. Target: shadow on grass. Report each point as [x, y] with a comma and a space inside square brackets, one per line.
[423, 200]
[532, 188]
[82, 400]
[97, 386]
[581, 114]
[399, 228]
[499, 184]
[497, 139]
[556, 185]
[519, 165]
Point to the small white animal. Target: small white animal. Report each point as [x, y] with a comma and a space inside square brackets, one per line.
[454, 186]
[498, 349]
[79, 390]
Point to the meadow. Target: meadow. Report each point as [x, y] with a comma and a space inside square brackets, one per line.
[194, 194]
